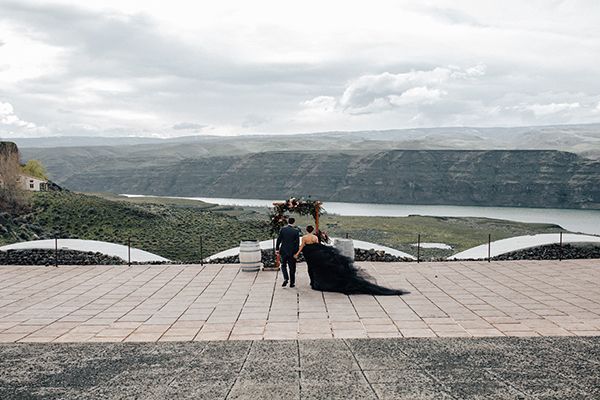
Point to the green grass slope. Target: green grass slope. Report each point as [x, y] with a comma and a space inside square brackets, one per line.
[170, 230]
[401, 232]
[172, 227]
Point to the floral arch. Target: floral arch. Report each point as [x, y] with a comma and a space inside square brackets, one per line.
[293, 205]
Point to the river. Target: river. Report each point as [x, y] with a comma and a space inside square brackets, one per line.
[583, 221]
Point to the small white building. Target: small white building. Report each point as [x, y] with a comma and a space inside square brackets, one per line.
[32, 184]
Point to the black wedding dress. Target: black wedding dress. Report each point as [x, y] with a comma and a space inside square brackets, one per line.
[330, 271]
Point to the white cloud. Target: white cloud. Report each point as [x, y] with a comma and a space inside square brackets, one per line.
[9, 118]
[318, 109]
[548, 109]
[381, 92]
[417, 95]
[471, 72]
[365, 89]
[321, 104]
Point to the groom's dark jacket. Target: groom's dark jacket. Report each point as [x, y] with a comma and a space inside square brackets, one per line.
[288, 241]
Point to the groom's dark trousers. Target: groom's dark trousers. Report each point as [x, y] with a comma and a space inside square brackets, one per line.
[288, 243]
[289, 262]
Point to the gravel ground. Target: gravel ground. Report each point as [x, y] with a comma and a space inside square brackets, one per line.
[482, 368]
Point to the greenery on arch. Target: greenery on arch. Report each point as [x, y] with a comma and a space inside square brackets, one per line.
[293, 205]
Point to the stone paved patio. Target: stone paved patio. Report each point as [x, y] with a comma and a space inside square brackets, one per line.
[404, 368]
[194, 303]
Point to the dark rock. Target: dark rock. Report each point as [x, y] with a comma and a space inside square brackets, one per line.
[65, 257]
[553, 252]
[376, 256]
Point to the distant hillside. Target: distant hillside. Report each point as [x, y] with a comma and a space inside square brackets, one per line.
[490, 178]
[63, 155]
[583, 139]
[342, 165]
[82, 141]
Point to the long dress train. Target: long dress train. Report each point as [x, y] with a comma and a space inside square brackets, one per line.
[330, 271]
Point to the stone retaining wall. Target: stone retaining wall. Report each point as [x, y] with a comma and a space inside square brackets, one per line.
[359, 255]
[73, 257]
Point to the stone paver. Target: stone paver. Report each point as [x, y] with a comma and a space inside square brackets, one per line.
[219, 302]
[402, 368]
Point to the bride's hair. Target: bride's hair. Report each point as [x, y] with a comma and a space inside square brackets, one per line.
[309, 229]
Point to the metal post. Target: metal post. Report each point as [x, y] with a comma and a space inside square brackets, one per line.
[55, 252]
[201, 251]
[489, 247]
[129, 251]
[560, 250]
[418, 248]
[347, 235]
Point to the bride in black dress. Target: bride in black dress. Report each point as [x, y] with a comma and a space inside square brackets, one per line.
[330, 271]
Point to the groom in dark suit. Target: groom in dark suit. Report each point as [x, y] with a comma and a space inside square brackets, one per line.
[288, 243]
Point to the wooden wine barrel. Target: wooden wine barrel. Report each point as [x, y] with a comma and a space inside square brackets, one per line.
[250, 256]
[345, 246]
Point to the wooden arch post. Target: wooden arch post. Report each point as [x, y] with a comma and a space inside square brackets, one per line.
[317, 212]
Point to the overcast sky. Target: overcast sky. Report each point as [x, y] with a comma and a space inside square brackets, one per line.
[172, 68]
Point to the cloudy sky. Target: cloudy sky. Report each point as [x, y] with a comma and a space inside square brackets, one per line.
[173, 68]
